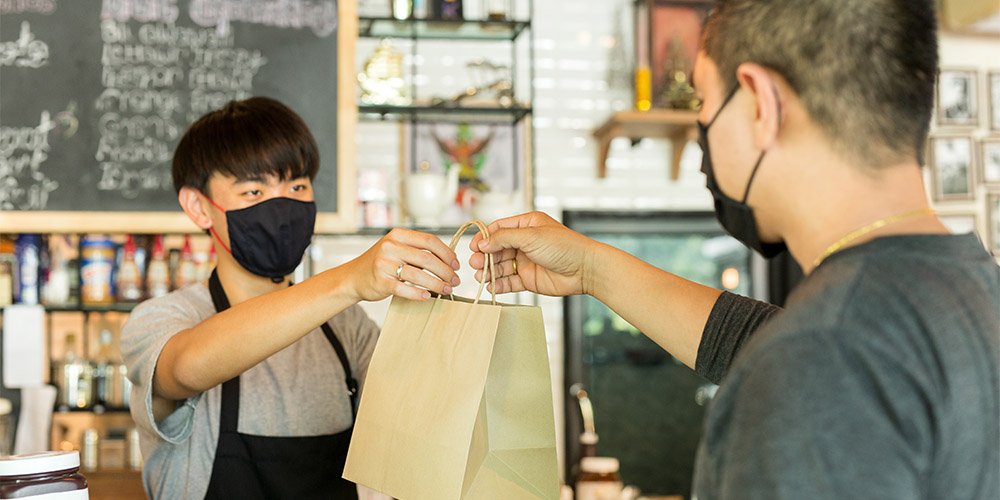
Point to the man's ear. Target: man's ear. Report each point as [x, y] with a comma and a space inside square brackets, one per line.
[194, 207]
[763, 85]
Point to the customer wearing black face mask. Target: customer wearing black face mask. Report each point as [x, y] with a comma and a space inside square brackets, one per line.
[245, 387]
[881, 379]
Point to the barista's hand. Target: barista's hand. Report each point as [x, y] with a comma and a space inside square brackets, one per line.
[551, 258]
[374, 272]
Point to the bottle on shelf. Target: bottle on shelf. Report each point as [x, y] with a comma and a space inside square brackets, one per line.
[206, 266]
[97, 259]
[56, 291]
[7, 263]
[129, 279]
[447, 10]
[109, 387]
[187, 268]
[74, 378]
[158, 274]
[27, 271]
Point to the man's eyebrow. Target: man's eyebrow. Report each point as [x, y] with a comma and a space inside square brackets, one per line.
[252, 178]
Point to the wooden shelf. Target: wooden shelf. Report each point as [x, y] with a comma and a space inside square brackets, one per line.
[677, 126]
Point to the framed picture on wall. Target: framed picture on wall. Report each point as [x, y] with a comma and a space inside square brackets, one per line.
[951, 163]
[993, 222]
[989, 161]
[957, 98]
[993, 89]
[492, 161]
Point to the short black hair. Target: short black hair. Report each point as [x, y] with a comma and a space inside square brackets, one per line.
[246, 139]
[864, 69]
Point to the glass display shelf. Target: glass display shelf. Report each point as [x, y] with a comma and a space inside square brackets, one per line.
[435, 29]
[115, 307]
[453, 114]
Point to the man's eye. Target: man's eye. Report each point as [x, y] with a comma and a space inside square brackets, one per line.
[254, 192]
[299, 187]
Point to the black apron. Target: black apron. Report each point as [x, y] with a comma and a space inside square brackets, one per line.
[261, 467]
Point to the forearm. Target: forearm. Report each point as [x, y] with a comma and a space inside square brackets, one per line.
[228, 343]
[670, 310]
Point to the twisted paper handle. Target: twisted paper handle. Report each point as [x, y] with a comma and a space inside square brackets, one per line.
[489, 260]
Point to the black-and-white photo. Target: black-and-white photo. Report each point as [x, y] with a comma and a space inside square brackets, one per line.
[951, 166]
[993, 218]
[989, 157]
[993, 84]
[957, 98]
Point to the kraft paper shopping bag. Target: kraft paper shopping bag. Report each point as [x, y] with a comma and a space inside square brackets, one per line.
[457, 403]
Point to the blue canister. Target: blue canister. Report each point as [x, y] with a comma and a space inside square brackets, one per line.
[26, 283]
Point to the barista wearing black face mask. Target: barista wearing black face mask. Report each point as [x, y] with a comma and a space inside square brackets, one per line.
[880, 379]
[246, 386]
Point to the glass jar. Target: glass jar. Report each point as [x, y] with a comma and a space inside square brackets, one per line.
[599, 479]
[49, 475]
[97, 261]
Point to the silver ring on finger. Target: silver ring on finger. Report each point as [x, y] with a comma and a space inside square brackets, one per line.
[399, 271]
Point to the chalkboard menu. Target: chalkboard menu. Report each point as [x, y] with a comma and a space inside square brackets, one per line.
[96, 94]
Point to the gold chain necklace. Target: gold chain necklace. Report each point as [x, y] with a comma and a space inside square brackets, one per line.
[867, 229]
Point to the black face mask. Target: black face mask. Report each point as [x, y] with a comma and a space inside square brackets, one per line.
[736, 217]
[269, 238]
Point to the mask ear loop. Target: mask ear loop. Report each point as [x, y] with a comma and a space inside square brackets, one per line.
[212, 229]
[746, 194]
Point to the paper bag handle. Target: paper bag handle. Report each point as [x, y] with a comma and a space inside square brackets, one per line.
[489, 259]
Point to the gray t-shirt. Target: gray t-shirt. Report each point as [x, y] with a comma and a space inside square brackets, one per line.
[880, 380]
[299, 391]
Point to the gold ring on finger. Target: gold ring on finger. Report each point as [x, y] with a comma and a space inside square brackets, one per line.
[399, 272]
[513, 262]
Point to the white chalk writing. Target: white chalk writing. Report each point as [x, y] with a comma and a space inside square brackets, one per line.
[149, 70]
[23, 184]
[144, 11]
[318, 15]
[23, 6]
[26, 51]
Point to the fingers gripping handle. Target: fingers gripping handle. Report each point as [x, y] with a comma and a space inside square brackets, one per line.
[489, 260]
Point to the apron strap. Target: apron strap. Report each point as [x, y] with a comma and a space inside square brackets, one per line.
[231, 388]
[229, 418]
[352, 383]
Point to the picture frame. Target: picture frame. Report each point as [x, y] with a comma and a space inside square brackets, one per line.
[993, 92]
[675, 28]
[989, 161]
[958, 98]
[494, 177]
[951, 161]
[993, 222]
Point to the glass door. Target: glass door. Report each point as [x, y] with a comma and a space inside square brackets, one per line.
[648, 407]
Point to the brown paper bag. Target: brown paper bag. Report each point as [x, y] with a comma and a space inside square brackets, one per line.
[457, 403]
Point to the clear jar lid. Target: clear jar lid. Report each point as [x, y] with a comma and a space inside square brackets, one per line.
[39, 463]
[599, 465]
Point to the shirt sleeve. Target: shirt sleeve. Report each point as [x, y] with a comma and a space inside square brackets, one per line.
[807, 417]
[146, 332]
[732, 320]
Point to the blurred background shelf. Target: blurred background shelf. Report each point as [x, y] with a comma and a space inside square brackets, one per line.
[428, 29]
[677, 126]
[466, 114]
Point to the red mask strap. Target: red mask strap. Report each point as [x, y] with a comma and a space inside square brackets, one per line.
[212, 229]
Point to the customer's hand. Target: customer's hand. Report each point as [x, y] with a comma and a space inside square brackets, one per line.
[427, 264]
[551, 258]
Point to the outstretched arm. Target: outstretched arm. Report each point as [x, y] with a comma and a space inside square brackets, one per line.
[554, 260]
